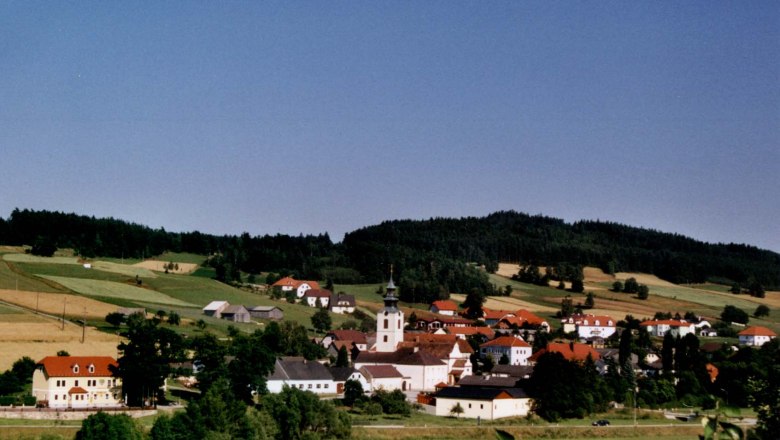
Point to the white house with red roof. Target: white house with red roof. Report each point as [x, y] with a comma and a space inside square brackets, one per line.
[77, 382]
[385, 377]
[589, 326]
[444, 307]
[516, 350]
[756, 336]
[677, 327]
[299, 286]
[317, 297]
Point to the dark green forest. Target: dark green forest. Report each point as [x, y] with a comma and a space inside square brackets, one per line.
[430, 257]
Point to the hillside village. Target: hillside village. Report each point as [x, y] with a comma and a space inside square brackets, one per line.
[485, 357]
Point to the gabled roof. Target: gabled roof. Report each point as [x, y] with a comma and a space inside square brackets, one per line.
[420, 358]
[298, 368]
[480, 393]
[318, 293]
[291, 282]
[403, 356]
[590, 320]
[757, 330]
[341, 374]
[343, 300]
[505, 341]
[571, 351]
[77, 390]
[488, 381]
[232, 310]
[445, 305]
[63, 366]
[381, 371]
[264, 308]
[215, 305]
[495, 314]
[468, 331]
[348, 335]
[517, 371]
[530, 317]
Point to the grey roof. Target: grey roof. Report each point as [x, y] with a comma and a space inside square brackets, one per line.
[341, 374]
[348, 299]
[404, 356]
[477, 393]
[519, 371]
[263, 308]
[298, 368]
[214, 305]
[232, 310]
[488, 381]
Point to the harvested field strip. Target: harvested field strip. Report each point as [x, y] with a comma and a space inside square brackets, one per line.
[28, 258]
[123, 269]
[53, 303]
[159, 266]
[110, 289]
[11, 277]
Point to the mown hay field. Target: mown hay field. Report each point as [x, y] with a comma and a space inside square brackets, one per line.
[160, 266]
[75, 306]
[110, 289]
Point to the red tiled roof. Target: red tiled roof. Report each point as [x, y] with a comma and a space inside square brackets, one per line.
[382, 371]
[63, 366]
[464, 346]
[530, 317]
[77, 390]
[757, 331]
[506, 341]
[429, 337]
[445, 305]
[468, 331]
[669, 322]
[604, 321]
[317, 293]
[349, 335]
[289, 281]
[571, 351]
[495, 314]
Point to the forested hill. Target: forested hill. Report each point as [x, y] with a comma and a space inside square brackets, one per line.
[430, 252]
[517, 237]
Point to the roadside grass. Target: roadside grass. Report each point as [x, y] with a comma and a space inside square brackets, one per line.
[4, 310]
[111, 289]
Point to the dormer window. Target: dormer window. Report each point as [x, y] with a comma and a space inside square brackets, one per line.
[91, 368]
[75, 369]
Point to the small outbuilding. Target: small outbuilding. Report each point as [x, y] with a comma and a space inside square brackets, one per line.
[266, 312]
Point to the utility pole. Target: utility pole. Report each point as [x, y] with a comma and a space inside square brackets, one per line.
[64, 302]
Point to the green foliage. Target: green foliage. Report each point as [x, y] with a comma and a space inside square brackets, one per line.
[473, 304]
[43, 247]
[174, 318]
[102, 426]
[353, 392]
[321, 321]
[761, 311]
[617, 286]
[343, 357]
[301, 414]
[733, 314]
[643, 292]
[456, 410]
[631, 285]
[393, 402]
[145, 359]
[115, 318]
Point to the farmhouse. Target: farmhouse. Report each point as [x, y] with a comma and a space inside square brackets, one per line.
[571, 351]
[297, 372]
[756, 336]
[358, 338]
[677, 327]
[514, 348]
[76, 382]
[384, 377]
[444, 307]
[589, 326]
[342, 303]
[483, 402]
[300, 287]
[317, 297]
[266, 312]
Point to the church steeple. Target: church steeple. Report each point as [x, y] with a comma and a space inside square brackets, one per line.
[389, 321]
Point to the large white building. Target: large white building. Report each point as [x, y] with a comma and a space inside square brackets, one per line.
[674, 326]
[389, 323]
[516, 350]
[483, 403]
[756, 336]
[589, 326]
[297, 372]
[77, 382]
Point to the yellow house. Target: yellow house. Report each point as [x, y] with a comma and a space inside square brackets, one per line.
[76, 382]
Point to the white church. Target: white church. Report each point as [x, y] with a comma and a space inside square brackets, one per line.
[425, 361]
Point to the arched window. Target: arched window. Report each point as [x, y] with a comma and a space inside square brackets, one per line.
[386, 323]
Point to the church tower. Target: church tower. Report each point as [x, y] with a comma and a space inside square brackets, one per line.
[389, 321]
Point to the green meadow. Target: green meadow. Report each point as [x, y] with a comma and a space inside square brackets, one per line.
[111, 289]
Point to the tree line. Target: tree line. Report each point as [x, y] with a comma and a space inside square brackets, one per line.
[435, 255]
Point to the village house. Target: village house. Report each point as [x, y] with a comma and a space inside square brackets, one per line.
[589, 326]
[266, 312]
[287, 284]
[342, 374]
[756, 336]
[385, 377]
[358, 338]
[677, 327]
[76, 382]
[215, 308]
[444, 307]
[486, 403]
[465, 332]
[342, 303]
[431, 324]
[297, 372]
[515, 349]
[317, 297]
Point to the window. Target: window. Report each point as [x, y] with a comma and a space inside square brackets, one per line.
[399, 323]
[318, 386]
[91, 368]
[385, 323]
[56, 397]
[326, 386]
[309, 386]
[77, 383]
[469, 405]
[385, 338]
[481, 406]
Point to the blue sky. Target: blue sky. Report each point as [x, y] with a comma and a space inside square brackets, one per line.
[309, 117]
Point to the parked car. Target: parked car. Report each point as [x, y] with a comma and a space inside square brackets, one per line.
[602, 422]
